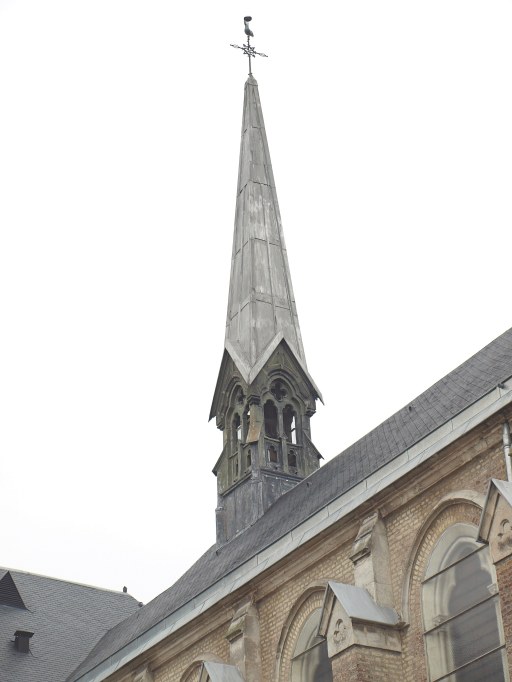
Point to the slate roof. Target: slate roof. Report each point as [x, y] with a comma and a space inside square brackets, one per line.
[466, 384]
[67, 620]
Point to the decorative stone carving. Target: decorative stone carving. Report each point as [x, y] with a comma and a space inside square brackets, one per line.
[351, 616]
[496, 520]
[505, 535]
[340, 633]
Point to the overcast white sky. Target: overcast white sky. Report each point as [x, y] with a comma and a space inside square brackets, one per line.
[390, 130]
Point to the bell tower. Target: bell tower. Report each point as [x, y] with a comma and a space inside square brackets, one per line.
[264, 397]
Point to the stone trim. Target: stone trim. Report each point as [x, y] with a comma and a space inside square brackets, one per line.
[339, 508]
[309, 601]
[474, 502]
[461, 511]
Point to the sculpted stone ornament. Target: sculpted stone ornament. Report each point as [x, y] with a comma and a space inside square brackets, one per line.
[505, 535]
[495, 525]
[340, 631]
[350, 616]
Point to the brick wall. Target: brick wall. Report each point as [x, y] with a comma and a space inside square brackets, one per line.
[416, 511]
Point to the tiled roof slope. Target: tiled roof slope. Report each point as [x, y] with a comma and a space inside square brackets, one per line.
[67, 620]
[443, 401]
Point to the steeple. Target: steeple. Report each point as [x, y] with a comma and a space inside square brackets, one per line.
[264, 396]
[261, 301]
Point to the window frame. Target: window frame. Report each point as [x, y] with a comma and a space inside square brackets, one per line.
[457, 533]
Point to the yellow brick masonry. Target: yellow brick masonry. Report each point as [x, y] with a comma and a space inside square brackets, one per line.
[416, 510]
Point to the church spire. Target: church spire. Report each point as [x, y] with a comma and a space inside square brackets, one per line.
[261, 301]
[264, 396]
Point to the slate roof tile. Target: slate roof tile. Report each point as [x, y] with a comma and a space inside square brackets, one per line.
[437, 405]
[67, 620]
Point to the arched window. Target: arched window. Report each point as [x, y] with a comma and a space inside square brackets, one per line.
[461, 613]
[310, 661]
[290, 424]
[237, 432]
[272, 455]
[270, 415]
[245, 423]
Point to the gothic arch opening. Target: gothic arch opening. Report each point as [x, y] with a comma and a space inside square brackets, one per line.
[461, 613]
[310, 660]
[290, 424]
[271, 420]
[457, 507]
[302, 655]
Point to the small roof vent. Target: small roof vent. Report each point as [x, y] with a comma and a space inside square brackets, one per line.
[22, 641]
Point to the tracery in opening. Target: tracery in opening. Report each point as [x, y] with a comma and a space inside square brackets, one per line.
[461, 612]
[237, 432]
[310, 661]
[290, 424]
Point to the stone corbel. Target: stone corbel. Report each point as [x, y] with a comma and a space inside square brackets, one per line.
[496, 520]
[143, 674]
[350, 616]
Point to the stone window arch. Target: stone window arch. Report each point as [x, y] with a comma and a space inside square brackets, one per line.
[290, 424]
[310, 661]
[237, 431]
[271, 419]
[302, 654]
[464, 637]
[193, 672]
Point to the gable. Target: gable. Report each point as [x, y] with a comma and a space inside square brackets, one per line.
[234, 365]
[9, 594]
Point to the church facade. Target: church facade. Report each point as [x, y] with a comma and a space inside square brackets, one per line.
[392, 561]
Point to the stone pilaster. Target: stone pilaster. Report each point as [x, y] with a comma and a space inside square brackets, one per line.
[244, 641]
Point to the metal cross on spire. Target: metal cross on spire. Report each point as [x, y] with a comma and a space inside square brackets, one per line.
[248, 49]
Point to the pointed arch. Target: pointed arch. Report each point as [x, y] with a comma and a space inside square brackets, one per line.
[309, 601]
[463, 506]
[474, 502]
[192, 672]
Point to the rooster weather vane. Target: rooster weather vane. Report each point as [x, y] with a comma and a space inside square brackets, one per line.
[248, 49]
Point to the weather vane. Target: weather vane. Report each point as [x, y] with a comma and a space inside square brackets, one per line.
[248, 49]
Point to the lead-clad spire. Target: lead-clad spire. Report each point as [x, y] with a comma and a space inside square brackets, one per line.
[264, 397]
[261, 301]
